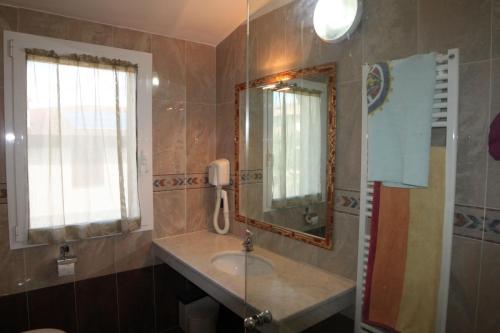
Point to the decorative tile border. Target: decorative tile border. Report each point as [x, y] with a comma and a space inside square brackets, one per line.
[470, 222]
[347, 201]
[251, 176]
[180, 182]
[3, 193]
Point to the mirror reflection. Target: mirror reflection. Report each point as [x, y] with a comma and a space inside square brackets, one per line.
[283, 152]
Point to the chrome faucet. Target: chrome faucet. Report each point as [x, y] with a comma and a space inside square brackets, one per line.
[248, 242]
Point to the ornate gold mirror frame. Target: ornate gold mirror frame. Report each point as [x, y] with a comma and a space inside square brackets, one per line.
[329, 70]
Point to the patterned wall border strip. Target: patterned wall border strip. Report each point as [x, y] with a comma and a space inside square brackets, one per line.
[180, 181]
[347, 201]
[470, 222]
[251, 176]
[3, 193]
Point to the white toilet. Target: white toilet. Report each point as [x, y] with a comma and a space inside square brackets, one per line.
[45, 330]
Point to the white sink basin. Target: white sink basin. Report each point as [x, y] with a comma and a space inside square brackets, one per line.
[234, 263]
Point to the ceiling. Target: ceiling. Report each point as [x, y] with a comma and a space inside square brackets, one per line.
[203, 21]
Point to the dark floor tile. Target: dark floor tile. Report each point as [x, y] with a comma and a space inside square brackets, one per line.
[53, 307]
[13, 313]
[337, 323]
[96, 304]
[136, 301]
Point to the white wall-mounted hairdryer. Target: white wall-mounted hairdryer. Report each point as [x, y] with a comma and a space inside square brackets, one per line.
[218, 175]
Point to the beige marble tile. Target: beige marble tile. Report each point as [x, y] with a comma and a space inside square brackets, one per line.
[304, 48]
[230, 66]
[41, 267]
[43, 24]
[169, 213]
[90, 32]
[251, 200]
[200, 136]
[465, 24]
[493, 172]
[389, 29]
[96, 257]
[343, 258]
[348, 145]
[472, 133]
[169, 64]
[200, 208]
[200, 73]
[131, 39]
[464, 277]
[225, 132]
[267, 44]
[496, 29]
[11, 261]
[133, 251]
[488, 319]
[169, 137]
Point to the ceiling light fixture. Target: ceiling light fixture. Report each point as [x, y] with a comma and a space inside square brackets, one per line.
[336, 20]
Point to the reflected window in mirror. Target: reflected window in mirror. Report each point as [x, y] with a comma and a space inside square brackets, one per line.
[294, 144]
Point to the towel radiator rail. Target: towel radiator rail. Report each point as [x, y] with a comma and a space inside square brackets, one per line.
[444, 115]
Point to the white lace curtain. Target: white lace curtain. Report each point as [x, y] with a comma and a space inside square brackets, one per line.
[296, 147]
[81, 141]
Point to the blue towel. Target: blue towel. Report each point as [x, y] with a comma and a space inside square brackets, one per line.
[400, 98]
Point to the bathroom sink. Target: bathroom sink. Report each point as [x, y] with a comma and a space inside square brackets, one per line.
[234, 263]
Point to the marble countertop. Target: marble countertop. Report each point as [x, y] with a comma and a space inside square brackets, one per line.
[298, 295]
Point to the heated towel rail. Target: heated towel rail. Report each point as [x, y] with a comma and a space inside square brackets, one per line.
[445, 115]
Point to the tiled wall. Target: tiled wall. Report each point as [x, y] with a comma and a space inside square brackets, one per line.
[285, 39]
[183, 140]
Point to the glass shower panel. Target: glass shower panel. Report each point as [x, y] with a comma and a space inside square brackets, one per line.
[280, 38]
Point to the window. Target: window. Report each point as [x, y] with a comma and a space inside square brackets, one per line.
[78, 140]
[295, 148]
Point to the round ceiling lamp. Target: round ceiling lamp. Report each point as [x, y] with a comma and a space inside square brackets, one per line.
[336, 20]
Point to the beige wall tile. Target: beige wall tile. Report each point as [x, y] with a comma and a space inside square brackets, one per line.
[267, 44]
[225, 132]
[41, 267]
[200, 207]
[169, 213]
[348, 147]
[169, 137]
[96, 257]
[389, 29]
[493, 172]
[463, 285]
[11, 261]
[472, 133]
[169, 63]
[496, 29]
[43, 24]
[488, 319]
[200, 73]
[89, 32]
[447, 24]
[230, 68]
[131, 39]
[133, 251]
[200, 136]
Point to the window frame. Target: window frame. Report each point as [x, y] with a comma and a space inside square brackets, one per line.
[15, 113]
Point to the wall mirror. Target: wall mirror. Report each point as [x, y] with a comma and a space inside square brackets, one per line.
[285, 153]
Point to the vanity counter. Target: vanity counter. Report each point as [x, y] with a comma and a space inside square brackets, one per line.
[298, 295]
